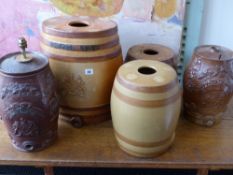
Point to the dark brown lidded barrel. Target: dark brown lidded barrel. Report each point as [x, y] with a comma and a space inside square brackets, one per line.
[29, 104]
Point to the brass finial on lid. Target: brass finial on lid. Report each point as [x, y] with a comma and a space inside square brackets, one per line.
[22, 43]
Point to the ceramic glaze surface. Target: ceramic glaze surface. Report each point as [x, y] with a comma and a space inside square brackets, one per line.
[145, 106]
[208, 85]
[152, 52]
[84, 56]
[29, 104]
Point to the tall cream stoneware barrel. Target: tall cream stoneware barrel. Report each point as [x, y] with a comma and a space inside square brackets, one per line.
[145, 106]
[84, 55]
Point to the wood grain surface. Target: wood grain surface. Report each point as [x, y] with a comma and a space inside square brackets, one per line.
[95, 146]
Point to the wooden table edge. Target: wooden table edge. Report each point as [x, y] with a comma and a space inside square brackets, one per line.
[162, 165]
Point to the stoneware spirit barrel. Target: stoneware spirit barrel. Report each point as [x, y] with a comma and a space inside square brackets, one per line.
[145, 106]
[152, 52]
[29, 104]
[84, 55]
[208, 85]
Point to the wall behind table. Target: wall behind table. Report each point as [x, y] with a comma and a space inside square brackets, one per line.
[217, 26]
[22, 18]
[139, 21]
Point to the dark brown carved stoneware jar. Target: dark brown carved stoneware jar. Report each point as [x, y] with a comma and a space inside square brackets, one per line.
[152, 52]
[28, 101]
[208, 85]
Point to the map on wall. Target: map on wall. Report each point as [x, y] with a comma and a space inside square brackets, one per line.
[139, 21]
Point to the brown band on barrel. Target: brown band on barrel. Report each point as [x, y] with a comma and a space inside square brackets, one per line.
[140, 154]
[83, 41]
[148, 104]
[142, 144]
[86, 109]
[113, 55]
[158, 89]
[71, 47]
[97, 34]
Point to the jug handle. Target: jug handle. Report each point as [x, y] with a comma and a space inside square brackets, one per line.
[218, 50]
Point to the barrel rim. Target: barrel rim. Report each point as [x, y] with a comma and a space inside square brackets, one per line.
[196, 53]
[149, 89]
[59, 26]
[136, 50]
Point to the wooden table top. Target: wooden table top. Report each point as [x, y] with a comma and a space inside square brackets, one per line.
[95, 146]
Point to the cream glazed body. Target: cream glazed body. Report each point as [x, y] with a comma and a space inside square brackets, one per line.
[145, 107]
[84, 55]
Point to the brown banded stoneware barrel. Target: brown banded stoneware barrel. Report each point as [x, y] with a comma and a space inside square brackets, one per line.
[29, 104]
[84, 55]
[152, 52]
[145, 106]
[208, 85]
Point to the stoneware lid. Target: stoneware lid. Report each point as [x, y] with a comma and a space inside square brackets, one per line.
[19, 63]
[213, 52]
[147, 74]
[151, 52]
[81, 27]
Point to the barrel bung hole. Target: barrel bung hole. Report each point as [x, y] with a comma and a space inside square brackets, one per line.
[29, 147]
[78, 24]
[146, 70]
[150, 52]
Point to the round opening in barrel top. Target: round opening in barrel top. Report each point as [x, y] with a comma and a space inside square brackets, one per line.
[146, 70]
[150, 52]
[78, 24]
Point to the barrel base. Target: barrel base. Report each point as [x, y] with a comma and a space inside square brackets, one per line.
[205, 121]
[88, 116]
[145, 152]
[34, 146]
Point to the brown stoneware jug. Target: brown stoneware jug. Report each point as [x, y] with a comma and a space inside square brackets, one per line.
[28, 101]
[208, 84]
[152, 52]
[84, 55]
